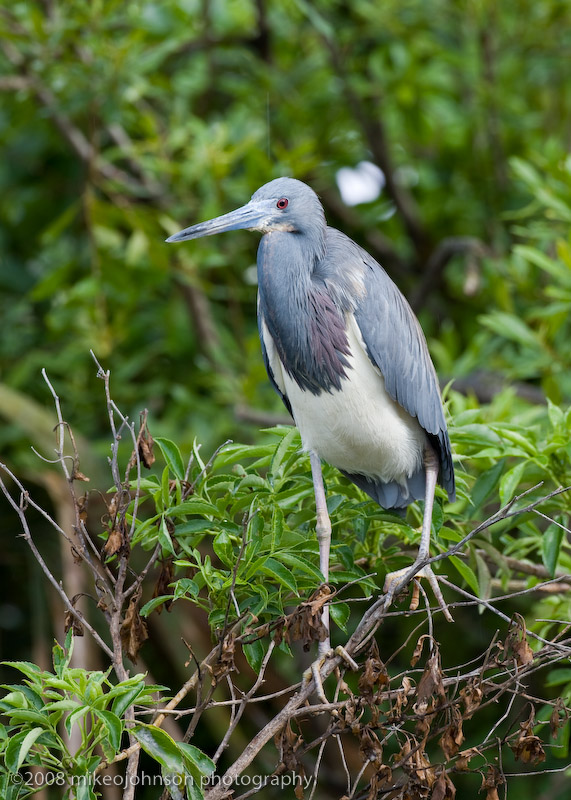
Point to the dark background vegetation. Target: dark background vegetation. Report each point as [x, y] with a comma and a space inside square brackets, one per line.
[122, 122]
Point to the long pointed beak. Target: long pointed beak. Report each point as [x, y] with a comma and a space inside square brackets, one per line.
[249, 217]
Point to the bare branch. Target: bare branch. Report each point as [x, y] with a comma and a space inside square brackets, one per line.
[20, 509]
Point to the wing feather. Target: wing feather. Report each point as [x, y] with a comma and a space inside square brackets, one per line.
[272, 362]
[395, 343]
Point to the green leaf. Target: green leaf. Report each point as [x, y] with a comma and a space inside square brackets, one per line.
[122, 701]
[526, 172]
[304, 566]
[75, 717]
[508, 326]
[164, 537]
[233, 453]
[194, 791]
[16, 700]
[277, 529]
[476, 434]
[556, 269]
[172, 457]
[556, 415]
[253, 482]
[467, 573]
[175, 782]
[155, 602]
[255, 652]
[83, 787]
[165, 498]
[279, 573]
[61, 656]
[484, 579]
[113, 726]
[194, 506]
[194, 756]
[66, 704]
[26, 745]
[510, 482]
[486, 483]
[35, 717]
[340, 614]
[222, 546]
[31, 671]
[281, 453]
[160, 746]
[507, 432]
[184, 587]
[558, 677]
[12, 754]
[551, 545]
[333, 503]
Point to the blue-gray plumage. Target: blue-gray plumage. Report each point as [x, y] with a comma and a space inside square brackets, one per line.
[345, 352]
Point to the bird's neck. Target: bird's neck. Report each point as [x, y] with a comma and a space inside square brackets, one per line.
[307, 327]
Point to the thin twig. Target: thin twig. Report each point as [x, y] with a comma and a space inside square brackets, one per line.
[19, 508]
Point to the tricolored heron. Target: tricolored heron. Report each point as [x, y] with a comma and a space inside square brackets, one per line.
[346, 354]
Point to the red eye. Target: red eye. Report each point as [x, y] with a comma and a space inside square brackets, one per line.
[282, 203]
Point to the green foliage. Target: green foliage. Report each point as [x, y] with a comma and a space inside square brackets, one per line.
[240, 529]
[49, 708]
[244, 537]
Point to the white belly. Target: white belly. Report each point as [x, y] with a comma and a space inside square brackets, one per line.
[359, 428]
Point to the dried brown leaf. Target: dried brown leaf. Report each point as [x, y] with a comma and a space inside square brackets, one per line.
[401, 699]
[82, 508]
[491, 781]
[305, 623]
[374, 675]
[133, 629]
[430, 686]
[144, 445]
[113, 505]
[278, 633]
[443, 789]
[77, 557]
[370, 746]
[523, 653]
[555, 718]
[351, 718]
[118, 537]
[114, 542]
[79, 476]
[453, 736]
[225, 662]
[418, 649]
[162, 586]
[528, 747]
[465, 757]
[381, 780]
[471, 695]
[288, 743]
[71, 621]
[516, 644]
[414, 761]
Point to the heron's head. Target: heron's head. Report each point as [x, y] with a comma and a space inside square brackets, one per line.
[284, 204]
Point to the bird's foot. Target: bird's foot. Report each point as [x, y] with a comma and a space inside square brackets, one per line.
[394, 578]
[351, 663]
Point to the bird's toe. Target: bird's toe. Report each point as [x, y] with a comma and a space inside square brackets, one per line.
[394, 584]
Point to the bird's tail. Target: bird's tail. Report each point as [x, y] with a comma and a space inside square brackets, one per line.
[392, 494]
